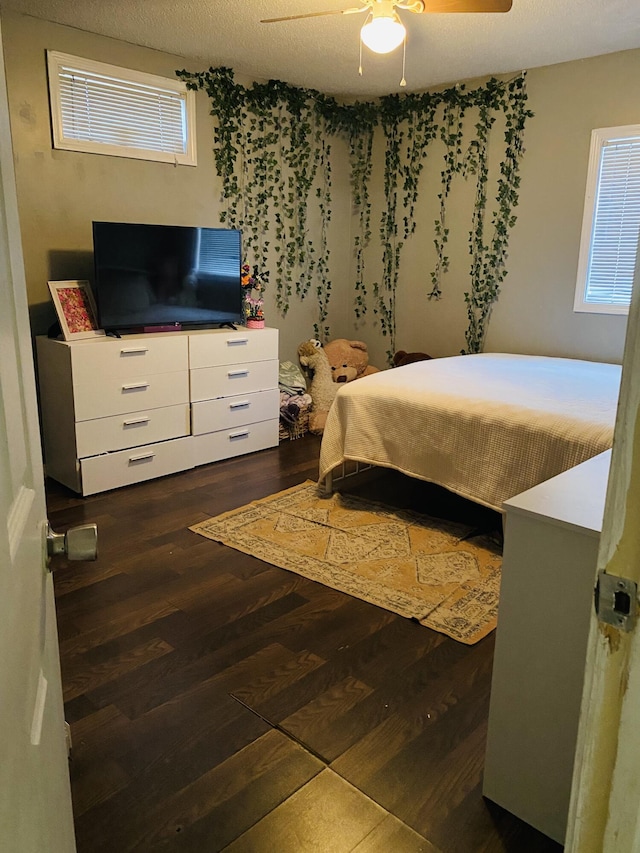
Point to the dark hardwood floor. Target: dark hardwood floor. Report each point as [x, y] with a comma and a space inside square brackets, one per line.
[219, 703]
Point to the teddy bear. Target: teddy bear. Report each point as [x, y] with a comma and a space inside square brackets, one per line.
[348, 360]
[322, 389]
[401, 357]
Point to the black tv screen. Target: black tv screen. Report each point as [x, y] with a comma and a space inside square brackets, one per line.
[166, 275]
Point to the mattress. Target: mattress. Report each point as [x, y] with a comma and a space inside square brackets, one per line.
[486, 426]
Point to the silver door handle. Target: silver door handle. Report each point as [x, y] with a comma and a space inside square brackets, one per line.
[78, 543]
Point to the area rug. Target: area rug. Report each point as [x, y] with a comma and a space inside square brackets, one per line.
[414, 565]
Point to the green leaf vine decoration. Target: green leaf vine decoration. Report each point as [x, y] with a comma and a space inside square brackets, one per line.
[451, 134]
[273, 153]
[360, 150]
[489, 256]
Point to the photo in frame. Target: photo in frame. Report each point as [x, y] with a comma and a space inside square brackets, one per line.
[75, 308]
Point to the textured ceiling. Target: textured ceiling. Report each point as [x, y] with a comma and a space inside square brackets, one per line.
[322, 53]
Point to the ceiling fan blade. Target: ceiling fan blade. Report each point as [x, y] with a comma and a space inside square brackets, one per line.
[315, 15]
[438, 6]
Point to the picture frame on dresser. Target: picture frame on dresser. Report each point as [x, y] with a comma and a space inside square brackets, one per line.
[75, 309]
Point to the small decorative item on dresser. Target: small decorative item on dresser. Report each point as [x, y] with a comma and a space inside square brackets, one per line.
[253, 305]
[75, 308]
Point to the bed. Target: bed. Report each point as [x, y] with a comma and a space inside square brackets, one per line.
[486, 427]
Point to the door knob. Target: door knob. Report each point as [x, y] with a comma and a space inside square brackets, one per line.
[78, 543]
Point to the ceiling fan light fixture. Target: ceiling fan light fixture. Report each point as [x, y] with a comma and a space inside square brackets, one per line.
[383, 33]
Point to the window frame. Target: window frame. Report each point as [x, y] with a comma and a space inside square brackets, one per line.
[57, 60]
[599, 138]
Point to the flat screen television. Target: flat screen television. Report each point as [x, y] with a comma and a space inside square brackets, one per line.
[156, 277]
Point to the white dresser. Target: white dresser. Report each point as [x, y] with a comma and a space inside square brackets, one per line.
[235, 401]
[117, 411]
[552, 533]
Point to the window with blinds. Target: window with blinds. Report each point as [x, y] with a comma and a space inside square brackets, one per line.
[103, 109]
[611, 223]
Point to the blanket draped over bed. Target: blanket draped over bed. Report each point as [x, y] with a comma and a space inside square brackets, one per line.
[485, 426]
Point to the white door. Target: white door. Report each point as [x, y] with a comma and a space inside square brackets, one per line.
[604, 815]
[35, 800]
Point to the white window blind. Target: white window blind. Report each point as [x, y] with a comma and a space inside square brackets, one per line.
[611, 224]
[218, 252]
[105, 109]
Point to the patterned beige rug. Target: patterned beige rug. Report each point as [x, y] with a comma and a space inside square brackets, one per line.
[408, 563]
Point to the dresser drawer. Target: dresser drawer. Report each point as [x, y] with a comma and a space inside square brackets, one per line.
[110, 395]
[228, 412]
[208, 383]
[112, 470]
[129, 356]
[223, 347]
[234, 442]
[131, 430]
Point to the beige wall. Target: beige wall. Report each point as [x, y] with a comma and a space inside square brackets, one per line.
[534, 313]
[61, 192]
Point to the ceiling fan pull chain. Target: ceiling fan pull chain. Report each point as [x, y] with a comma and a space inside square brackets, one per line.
[360, 66]
[403, 82]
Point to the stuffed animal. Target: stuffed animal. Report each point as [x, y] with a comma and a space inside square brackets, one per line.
[348, 360]
[321, 388]
[402, 357]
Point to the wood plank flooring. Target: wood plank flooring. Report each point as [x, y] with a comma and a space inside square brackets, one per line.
[219, 703]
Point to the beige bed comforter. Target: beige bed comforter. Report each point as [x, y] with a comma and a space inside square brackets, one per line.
[485, 426]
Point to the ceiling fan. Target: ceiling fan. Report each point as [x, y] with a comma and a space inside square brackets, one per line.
[383, 30]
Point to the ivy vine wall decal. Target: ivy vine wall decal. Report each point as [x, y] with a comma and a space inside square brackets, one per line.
[273, 152]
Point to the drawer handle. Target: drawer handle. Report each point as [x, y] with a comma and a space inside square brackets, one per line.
[232, 342]
[134, 351]
[142, 457]
[135, 386]
[243, 434]
[243, 405]
[136, 421]
[231, 373]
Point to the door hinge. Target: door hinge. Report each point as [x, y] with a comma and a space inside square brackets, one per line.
[616, 601]
[67, 737]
